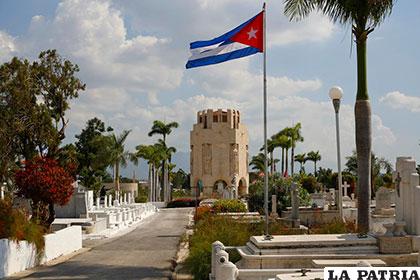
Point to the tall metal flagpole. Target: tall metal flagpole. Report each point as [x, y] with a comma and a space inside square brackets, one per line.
[267, 236]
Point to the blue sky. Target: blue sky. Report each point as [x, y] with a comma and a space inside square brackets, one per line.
[132, 56]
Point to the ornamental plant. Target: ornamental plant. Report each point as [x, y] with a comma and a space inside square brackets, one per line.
[46, 183]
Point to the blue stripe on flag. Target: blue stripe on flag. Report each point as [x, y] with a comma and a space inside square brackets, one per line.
[221, 58]
[222, 38]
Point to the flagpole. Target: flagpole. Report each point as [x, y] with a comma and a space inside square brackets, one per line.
[267, 236]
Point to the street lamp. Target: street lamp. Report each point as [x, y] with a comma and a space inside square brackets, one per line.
[336, 93]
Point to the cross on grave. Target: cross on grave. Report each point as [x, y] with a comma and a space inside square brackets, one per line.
[345, 186]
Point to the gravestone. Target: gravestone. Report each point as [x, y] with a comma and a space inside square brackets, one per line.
[318, 199]
[110, 200]
[98, 202]
[274, 214]
[329, 198]
[333, 196]
[2, 192]
[105, 201]
[345, 187]
[407, 188]
[383, 202]
[89, 198]
[295, 205]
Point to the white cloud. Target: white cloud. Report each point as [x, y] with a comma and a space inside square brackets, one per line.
[93, 34]
[398, 100]
[7, 46]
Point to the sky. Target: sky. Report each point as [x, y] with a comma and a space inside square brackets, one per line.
[132, 57]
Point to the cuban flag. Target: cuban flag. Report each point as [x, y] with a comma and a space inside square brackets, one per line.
[244, 40]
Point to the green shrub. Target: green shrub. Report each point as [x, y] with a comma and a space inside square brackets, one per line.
[309, 183]
[14, 225]
[229, 205]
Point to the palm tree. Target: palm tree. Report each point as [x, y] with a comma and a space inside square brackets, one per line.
[282, 141]
[153, 154]
[301, 158]
[315, 157]
[118, 156]
[258, 162]
[271, 145]
[164, 129]
[364, 16]
[167, 156]
[377, 165]
[296, 136]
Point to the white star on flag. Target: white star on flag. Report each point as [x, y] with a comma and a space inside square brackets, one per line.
[252, 34]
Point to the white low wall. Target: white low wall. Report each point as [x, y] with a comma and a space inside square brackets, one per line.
[19, 256]
[62, 242]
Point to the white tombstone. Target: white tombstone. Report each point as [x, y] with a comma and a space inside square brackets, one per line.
[332, 191]
[110, 200]
[98, 202]
[2, 192]
[318, 199]
[383, 200]
[105, 201]
[116, 203]
[125, 198]
[408, 194]
[129, 198]
[345, 186]
[352, 196]
[89, 198]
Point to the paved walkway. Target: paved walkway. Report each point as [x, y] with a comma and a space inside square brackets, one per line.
[144, 253]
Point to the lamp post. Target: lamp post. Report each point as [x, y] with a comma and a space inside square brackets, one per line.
[336, 93]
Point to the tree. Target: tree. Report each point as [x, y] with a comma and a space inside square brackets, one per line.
[34, 99]
[93, 153]
[118, 155]
[271, 145]
[46, 183]
[315, 157]
[180, 178]
[379, 167]
[153, 154]
[295, 136]
[258, 163]
[283, 142]
[364, 16]
[301, 158]
[161, 128]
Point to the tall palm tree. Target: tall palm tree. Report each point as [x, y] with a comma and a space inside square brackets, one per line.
[282, 141]
[301, 158]
[164, 129]
[364, 16]
[296, 136]
[315, 157]
[271, 145]
[118, 156]
[153, 154]
[257, 162]
[167, 156]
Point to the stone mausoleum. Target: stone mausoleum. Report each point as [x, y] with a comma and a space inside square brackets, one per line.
[219, 154]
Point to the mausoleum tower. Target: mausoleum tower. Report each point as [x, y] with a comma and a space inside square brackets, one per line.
[219, 154]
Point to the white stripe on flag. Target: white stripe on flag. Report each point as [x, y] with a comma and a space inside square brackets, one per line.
[213, 51]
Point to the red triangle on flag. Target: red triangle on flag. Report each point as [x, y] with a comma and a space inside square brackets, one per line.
[251, 34]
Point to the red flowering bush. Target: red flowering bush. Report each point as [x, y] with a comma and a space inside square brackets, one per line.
[46, 183]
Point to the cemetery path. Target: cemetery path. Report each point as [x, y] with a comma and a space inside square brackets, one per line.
[144, 253]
